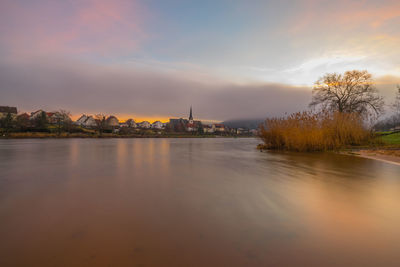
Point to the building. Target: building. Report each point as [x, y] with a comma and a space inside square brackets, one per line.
[24, 116]
[207, 128]
[56, 117]
[23, 120]
[219, 127]
[158, 125]
[4, 110]
[131, 123]
[86, 121]
[242, 131]
[36, 114]
[112, 121]
[81, 120]
[181, 125]
[144, 125]
[51, 117]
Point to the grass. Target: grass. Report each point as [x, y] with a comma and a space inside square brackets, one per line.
[391, 138]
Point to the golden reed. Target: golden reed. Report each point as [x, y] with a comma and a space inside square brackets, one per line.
[310, 131]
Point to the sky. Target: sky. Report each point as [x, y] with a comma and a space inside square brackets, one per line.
[148, 59]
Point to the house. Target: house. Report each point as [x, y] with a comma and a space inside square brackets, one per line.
[81, 120]
[131, 123]
[23, 116]
[112, 121]
[144, 125]
[23, 120]
[242, 131]
[55, 117]
[4, 110]
[207, 128]
[158, 125]
[36, 114]
[86, 121]
[51, 117]
[219, 127]
[90, 122]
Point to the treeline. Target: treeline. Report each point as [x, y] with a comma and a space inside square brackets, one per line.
[61, 122]
[392, 121]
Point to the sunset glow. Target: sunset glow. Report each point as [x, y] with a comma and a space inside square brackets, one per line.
[145, 54]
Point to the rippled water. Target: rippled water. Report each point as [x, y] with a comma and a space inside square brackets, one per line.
[193, 202]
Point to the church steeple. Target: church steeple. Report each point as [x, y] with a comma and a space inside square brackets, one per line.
[190, 116]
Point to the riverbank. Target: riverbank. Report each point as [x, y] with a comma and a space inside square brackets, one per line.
[389, 155]
[41, 135]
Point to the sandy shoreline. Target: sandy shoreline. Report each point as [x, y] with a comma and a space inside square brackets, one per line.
[388, 156]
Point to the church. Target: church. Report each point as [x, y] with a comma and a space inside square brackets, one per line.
[183, 125]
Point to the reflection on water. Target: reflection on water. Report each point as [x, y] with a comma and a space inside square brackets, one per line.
[193, 202]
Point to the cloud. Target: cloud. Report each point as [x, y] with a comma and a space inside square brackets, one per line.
[344, 14]
[71, 27]
[89, 88]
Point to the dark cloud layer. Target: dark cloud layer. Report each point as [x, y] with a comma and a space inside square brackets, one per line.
[117, 90]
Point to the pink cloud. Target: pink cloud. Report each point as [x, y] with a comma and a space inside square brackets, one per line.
[72, 27]
[344, 15]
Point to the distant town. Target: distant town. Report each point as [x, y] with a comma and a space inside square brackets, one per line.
[59, 123]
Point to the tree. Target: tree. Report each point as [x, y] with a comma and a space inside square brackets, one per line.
[200, 129]
[353, 91]
[101, 123]
[23, 123]
[7, 123]
[396, 103]
[62, 120]
[41, 121]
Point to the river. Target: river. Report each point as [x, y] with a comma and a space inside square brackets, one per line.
[193, 202]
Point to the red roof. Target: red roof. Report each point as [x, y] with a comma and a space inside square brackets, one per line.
[24, 115]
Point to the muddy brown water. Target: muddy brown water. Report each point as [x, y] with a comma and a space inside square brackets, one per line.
[193, 202]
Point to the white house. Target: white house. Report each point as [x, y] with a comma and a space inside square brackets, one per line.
[131, 123]
[144, 124]
[208, 128]
[219, 127]
[81, 120]
[158, 125]
[86, 121]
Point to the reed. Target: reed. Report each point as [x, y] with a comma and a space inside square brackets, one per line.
[310, 131]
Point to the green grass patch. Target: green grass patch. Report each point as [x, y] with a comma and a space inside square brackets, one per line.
[391, 139]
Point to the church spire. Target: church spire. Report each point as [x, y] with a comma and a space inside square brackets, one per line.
[190, 116]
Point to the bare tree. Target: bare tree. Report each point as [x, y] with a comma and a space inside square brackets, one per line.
[353, 91]
[101, 123]
[62, 120]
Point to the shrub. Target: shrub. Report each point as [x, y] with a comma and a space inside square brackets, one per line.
[309, 131]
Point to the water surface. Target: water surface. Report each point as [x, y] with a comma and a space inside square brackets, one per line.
[193, 202]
